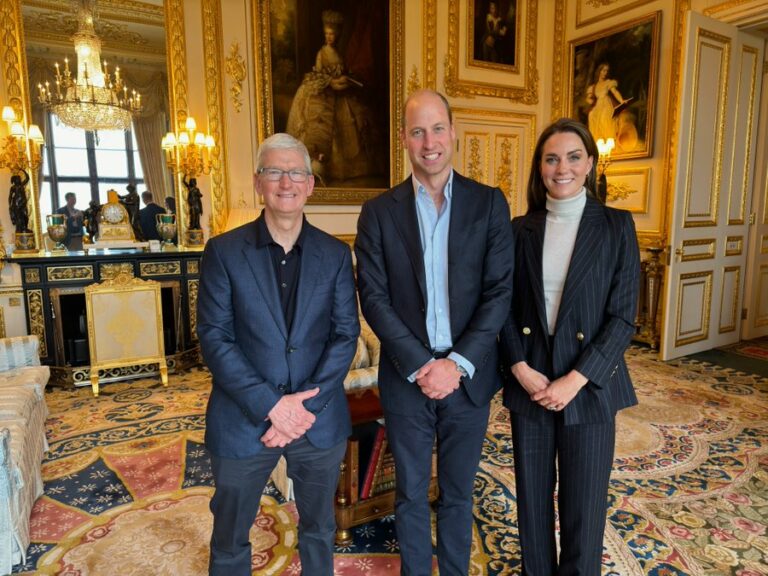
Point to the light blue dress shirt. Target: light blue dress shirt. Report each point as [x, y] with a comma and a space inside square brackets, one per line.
[433, 231]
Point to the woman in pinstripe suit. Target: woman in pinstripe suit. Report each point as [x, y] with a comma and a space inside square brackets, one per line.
[577, 269]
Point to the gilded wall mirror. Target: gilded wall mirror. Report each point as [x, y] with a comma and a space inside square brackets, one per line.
[132, 34]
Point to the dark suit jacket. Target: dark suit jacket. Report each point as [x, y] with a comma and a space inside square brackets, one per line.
[147, 220]
[392, 284]
[252, 357]
[596, 319]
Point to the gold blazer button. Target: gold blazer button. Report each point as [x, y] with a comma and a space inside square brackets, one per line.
[579, 336]
[526, 330]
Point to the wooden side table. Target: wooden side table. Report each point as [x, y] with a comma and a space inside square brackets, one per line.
[351, 511]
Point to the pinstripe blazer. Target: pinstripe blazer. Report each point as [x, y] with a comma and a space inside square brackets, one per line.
[595, 321]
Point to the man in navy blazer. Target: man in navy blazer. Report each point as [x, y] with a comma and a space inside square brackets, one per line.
[278, 325]
[434, 261]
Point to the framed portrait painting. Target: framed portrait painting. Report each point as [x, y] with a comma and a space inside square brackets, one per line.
[613, 84]
[493, 30]
[329, 74]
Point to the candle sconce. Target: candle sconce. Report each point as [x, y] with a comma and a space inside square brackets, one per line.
[21, 153]
[604, 148]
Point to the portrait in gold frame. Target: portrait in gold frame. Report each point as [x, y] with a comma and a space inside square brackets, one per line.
[272, 107]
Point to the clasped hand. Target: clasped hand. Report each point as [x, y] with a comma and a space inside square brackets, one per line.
[438, 379]
[290, 420]
[554, 395]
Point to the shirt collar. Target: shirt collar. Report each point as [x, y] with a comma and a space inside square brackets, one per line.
[419, 187]
[264, 238]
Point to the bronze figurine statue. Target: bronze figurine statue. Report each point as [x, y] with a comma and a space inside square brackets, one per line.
[17, 203]
[195, 203]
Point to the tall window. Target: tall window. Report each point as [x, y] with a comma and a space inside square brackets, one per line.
[74, 161]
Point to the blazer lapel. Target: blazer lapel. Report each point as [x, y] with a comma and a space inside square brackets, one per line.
[534, 250]
[407, 225]
[311, 260]
[261, 266]
[587, 244]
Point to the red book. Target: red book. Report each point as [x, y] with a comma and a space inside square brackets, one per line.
[377, 452]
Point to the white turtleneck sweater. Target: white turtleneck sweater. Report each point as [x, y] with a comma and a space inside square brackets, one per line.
[563, 217]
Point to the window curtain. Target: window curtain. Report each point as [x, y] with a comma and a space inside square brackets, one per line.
[150, 127]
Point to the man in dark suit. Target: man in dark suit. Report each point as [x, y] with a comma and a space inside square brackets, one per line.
[435, 262]
[147, 216]
[278, 325]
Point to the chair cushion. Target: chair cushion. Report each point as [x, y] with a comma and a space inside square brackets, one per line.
[361, 359]
[19, 351]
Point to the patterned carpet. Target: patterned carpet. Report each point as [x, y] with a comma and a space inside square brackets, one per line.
[128, 482]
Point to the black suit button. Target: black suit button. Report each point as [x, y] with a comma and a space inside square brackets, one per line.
[290, 349]
[282, 388]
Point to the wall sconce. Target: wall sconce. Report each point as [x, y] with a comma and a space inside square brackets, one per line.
[188, 153]
[604, 148]
[21, 153]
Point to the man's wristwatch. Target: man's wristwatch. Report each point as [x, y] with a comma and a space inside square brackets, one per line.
[462, 371]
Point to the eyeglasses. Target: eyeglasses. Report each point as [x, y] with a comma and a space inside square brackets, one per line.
[275, 174]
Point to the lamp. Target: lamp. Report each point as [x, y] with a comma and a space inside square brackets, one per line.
[20, 154]
[95, 99]
[188, 153]
[604, 148]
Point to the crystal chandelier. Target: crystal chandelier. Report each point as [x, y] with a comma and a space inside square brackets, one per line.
[94, 99]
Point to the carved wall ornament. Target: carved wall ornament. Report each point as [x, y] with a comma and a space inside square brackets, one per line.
[503, 171]
[475, 164]
[68, 273]
[236, 70]
[111, 271]
[414, 83]
[172, 268]
[37, 318]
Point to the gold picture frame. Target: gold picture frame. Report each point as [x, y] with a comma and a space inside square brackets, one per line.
[612, 84]
[466, 77]
[117, 335]
[267, 101]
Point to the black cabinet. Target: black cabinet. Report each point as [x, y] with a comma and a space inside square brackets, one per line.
[55, 301]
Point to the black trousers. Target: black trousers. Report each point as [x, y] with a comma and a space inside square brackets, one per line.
[459, 428]
[578, 459]
[235, 503]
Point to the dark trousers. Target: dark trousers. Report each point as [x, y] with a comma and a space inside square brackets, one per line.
[235, 503]
[582, 457]
[459, 428]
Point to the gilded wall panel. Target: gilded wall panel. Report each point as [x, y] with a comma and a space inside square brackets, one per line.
[192, 288]
[694, 301]
[171, 268]
[37, 318]
[69, 273]
[213, 48]
[730, 297]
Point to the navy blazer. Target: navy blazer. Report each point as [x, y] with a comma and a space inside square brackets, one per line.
[595, 321]
[253, 358]
[392, 284]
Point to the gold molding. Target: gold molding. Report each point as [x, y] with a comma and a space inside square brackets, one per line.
[429, 48]
[762, 285]
[237, 72]
[192, 288]
[32, 275]
[455, 87]
[559, 51]
[2, 322]
[474, 162]
[747, 135]
[508, 146]
[176, 51]
[606, 14]
[171, 268]
[414, 83]
[734, 245]
[735, 295]
[15, 78]
[672, 120]
[724, 47]
[702, 278]
[348, 239]
[193, 266]
[69, 273]
[110, 271]
[37, 318]
[265, 122]
[213, 48]
[709, 243]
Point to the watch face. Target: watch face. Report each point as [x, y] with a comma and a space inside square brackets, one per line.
[112, 213]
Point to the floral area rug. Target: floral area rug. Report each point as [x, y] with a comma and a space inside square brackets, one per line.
[128, 481]
[757, 348]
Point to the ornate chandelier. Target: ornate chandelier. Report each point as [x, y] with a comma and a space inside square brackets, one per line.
[95, 99]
